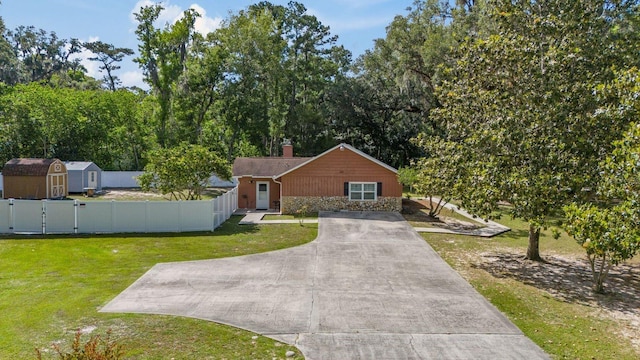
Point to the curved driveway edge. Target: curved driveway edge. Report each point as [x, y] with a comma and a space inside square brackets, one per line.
[369, 287]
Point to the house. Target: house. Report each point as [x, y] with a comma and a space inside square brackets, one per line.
[83, 175]
[341, 178]
[34, 179]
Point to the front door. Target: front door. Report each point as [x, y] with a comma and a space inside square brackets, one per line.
[93, 179]
[262, 196]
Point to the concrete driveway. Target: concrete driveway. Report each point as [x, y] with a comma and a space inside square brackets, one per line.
[369, 287]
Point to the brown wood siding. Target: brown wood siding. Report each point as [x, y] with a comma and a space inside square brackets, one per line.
[325, 176]
[25, 187]
[245, 187]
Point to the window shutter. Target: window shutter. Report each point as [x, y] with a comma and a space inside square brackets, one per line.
[346, 189]
[379, 188]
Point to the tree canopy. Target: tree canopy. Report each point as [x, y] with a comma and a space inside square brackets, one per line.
[182, 171]
[519, 98]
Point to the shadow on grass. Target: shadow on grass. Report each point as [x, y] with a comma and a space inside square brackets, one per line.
[569, 280]
[516, 234]
[229, 227]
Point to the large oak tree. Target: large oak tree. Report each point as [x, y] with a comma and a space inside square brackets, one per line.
[521, 101]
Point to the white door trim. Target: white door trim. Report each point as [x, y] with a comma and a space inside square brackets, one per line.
[262, 204]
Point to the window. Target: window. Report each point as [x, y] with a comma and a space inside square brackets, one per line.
[362, 191]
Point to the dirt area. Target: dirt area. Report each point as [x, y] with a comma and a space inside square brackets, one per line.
[135, 194]
[127, 194]
[569, 279]
[416, 212]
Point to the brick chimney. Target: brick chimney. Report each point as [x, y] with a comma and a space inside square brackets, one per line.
[287, 149]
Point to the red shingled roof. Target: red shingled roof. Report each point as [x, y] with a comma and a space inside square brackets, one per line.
[265, 166]
[27, 167]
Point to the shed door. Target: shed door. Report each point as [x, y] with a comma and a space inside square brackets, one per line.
[92, 177]
[262, 195]
[56, 183]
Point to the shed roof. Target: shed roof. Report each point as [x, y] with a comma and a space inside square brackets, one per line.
[77, 165]
[27, 167]
[265, 166]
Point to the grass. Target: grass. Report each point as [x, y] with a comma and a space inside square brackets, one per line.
[289, 217]
[50, 287]
[418, 215]
[561, 316]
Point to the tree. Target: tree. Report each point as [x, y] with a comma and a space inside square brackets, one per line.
[162, 58]
[8, 60]
[279, 63]
[182, 171]
[198, 91]
[38, 120]
[438, 173]
[109, 56]
[253, 47]
[610, 229]
[389, 99]
[520, 103]
[42, 54]
[609, 236]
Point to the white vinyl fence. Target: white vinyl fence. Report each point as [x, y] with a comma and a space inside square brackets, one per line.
[85, 217]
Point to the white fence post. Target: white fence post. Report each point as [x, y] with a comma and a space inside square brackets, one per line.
[12, 218]
[146, 216]
[75, 216]
[213, 214]
[181, 218]
[44, 217]
[113, 215]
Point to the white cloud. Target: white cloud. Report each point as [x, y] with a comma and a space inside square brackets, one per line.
[133, 78]
[173, 13]
[205, 24]
[136, 9]
[91, 66]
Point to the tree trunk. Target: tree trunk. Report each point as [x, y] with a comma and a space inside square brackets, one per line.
[533, 251]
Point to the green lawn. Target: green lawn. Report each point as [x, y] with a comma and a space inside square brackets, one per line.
[289, 217]
[50, 287]
[546, 301]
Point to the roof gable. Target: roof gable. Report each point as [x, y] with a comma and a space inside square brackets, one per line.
[77, 165]
[341, 147]
[27, 167]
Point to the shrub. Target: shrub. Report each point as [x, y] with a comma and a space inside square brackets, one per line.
[95, 348]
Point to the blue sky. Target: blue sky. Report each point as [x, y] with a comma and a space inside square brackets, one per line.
[356, 22]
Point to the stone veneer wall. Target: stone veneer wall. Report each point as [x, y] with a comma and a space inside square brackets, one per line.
[291, 204]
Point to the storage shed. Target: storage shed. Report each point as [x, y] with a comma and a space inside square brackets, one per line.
[34, 179]
[83, 175]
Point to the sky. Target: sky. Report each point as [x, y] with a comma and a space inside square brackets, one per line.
[356, 22]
